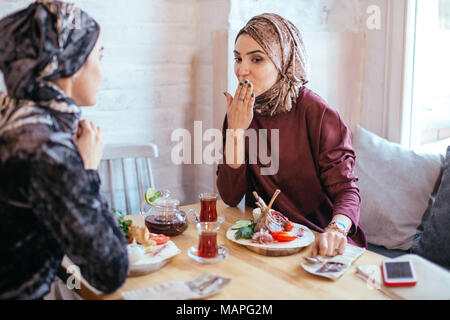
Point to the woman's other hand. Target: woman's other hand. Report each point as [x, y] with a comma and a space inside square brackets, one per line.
[329, 244]
[240, 108]
[90, 143]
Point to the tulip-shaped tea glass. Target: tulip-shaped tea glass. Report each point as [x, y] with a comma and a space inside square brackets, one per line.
[208, 210]
[208, 251]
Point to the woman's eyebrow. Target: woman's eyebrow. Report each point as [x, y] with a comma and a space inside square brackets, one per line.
[255, 51]
[248, 53]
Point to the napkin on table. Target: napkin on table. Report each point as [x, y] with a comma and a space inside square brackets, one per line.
[206, 284]
[350, 254]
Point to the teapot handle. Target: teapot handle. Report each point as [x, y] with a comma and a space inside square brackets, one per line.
[193, 215]
[141, 211]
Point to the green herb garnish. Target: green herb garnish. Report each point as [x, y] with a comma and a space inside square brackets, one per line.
[245, 232]
[124, 225]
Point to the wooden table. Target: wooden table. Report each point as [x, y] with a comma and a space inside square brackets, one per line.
[254, 277]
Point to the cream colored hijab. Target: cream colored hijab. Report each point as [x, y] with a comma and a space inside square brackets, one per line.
[283, 43]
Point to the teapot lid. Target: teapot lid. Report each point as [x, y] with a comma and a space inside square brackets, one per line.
[165, 201]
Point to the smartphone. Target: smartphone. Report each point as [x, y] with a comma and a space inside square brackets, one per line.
[398, 273]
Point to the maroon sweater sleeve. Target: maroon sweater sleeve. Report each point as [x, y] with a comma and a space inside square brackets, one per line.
[336, 160]
[231, 183]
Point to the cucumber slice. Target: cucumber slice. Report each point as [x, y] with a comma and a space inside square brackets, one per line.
[241, 224]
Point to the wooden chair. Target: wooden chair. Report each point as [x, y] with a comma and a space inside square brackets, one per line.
[119, 154]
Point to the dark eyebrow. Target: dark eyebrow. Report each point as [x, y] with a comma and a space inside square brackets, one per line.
[251, 52]
[255, 51]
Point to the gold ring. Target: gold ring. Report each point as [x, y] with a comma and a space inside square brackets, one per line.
[240, 99]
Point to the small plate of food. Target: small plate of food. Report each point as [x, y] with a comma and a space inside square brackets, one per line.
[149, 252]
[270, 233]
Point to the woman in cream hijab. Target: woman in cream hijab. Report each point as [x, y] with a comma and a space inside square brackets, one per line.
[316, 158]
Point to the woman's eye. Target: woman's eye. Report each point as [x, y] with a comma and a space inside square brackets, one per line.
[237, 59]
[256, 60]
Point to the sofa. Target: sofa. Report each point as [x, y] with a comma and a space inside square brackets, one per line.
[405, 198]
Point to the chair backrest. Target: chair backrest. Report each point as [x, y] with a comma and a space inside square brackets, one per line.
[120, 153]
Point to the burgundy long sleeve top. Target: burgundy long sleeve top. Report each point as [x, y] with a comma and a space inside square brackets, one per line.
[315, 173]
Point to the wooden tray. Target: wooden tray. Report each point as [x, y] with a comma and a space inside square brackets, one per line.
[277, 249]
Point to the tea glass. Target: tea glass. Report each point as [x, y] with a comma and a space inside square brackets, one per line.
[208, 212]
[208, 251]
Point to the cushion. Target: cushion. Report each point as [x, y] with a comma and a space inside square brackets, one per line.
[434, 243]
[396, 185]
[391, 253]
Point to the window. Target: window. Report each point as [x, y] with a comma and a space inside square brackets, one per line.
[429, 117]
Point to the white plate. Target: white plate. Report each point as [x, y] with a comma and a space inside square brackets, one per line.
[155, 260]
[277, 248]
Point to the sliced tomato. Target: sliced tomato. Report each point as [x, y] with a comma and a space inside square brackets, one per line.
[288, 226]
[159, 239]
[282, 236]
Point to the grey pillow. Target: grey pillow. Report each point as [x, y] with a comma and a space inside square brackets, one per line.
[395, 185]
[434, 243]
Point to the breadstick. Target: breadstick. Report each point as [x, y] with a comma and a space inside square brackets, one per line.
[275, 195]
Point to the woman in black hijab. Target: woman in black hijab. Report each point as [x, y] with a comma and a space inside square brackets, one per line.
[50, 202]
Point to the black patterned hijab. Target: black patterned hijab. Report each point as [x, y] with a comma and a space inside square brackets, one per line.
[43, 42]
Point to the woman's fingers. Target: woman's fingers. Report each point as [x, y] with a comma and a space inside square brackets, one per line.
[243, 91]
[90, 144]
[229, 99]
[329, 244]
[250, 97]
[315, 251]
[88, 128]
[334, 240]
[79, 130]
[323, 245]
[342, 245]
[320, 246]
[99, 133]
[239, 115]
[337, 243]
[238, 91]
[83, 124]
[248, 93]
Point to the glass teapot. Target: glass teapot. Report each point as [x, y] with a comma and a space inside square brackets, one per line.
[164, 216]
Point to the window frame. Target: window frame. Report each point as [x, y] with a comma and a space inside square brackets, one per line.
[408, 74]
[399, 71]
